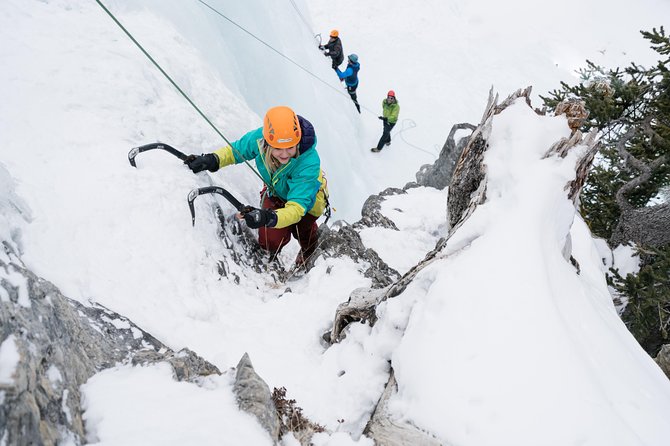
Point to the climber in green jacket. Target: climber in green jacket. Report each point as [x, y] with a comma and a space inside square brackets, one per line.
[391, 110]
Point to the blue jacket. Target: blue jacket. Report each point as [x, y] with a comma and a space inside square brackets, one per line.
[299, 182]
[350, 75]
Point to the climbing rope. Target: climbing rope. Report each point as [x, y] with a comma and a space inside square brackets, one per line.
[167, 76]
[400, 132]
[219, 13]
[302, 17]
[412, 125]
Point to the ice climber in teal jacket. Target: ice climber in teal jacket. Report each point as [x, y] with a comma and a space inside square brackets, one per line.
[295, 195]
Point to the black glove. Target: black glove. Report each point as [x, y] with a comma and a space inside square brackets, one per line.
[381, 117]
[255, 218]
[321, 47]
[202, 162]
[326, 54]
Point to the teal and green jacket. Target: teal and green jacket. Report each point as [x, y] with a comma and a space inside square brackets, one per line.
[300, 182]
[390, 111]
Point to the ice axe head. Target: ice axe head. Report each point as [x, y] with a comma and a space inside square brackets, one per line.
[132, 154]
[191, 197]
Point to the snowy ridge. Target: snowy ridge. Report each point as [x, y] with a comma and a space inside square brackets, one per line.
[530, 351]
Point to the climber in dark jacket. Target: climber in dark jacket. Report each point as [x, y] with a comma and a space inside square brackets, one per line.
[333, 49]
[350, 78]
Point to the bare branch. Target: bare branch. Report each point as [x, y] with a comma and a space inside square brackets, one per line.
[646, 169]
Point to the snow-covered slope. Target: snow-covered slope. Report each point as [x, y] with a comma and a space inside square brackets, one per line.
[77, 95]
[511, 344]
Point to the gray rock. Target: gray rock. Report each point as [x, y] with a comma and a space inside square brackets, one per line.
[371, 212]
[347, 242]
[253, 396]
[438, 174]
[61, 344]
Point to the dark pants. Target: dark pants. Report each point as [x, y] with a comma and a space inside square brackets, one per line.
[352, 93]
[274, 239]
[386, 135]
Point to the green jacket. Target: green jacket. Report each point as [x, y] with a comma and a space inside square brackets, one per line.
[391, 111]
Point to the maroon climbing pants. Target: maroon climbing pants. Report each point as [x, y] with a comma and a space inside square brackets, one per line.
[274, 239]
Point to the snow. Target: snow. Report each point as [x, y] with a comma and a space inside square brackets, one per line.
[19, 284]
[553, 382]
[54, 375]
[9, 360]
[625, 260]
[144, 405]
[418, 230]
[500, 343]
[65, 408]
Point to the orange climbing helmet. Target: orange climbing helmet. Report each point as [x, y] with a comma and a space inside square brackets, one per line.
[334, 33]
[391, 94]
[281, 128]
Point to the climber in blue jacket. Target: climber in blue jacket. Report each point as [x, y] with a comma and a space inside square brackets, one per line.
[350, 77]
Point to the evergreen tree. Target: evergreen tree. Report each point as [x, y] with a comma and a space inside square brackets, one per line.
[647, 312]
[631, 110]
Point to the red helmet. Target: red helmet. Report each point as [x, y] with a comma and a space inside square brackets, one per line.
[391, 93]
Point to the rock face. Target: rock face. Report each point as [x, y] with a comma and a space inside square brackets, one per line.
[346, 241]
[60, 344]
[438, 175]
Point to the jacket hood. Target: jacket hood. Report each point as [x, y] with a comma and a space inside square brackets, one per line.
[308, 135]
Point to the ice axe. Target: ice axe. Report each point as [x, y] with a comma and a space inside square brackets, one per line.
[154, 145]
[215, 190]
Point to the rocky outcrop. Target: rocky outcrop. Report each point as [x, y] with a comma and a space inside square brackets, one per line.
[371, 212]
[344, 240]
[60, 344]
[243, 252]
[254, 397]
[438, 174]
